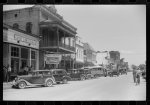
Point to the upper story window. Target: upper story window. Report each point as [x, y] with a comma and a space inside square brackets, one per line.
[29, 27]
[15, 25]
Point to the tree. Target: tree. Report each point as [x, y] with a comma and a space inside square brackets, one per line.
[142, 66]
[134, 67]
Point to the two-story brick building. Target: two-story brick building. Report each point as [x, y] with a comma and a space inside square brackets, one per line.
[58, 36]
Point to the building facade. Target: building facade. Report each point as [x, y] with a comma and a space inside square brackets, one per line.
[20, 49]
[89, 55]
[58, 36]
[79, 60]
[114, 57]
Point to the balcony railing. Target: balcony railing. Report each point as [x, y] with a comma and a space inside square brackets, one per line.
[55, 44]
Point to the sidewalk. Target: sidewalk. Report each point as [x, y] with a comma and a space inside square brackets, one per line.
[6, 85]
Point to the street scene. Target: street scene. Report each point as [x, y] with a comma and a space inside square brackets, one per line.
[74, 52]
[102, 88]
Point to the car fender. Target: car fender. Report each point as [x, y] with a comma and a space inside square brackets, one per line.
[22, 80]
[67, 77]
[50, 79]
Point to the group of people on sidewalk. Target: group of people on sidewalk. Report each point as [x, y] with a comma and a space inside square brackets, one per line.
[136, 76]
[7, 72]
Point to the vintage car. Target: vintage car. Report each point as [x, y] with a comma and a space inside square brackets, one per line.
[79, 74]
[111, 73]
[97, 71]
[60, 75]
[34, 78]
[122, 71]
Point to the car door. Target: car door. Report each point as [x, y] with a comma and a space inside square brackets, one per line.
[56, 75]
[37, 78]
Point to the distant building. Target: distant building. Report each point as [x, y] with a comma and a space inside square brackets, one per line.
[79, 61]
[89, 55]
[114, 57]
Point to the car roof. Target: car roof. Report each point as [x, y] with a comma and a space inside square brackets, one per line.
[57, 69]
[72, 69]
[39, 70]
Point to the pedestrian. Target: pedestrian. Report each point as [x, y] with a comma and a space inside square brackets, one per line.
[8, 73]
[30, 68]
[4, 73]
[26, 70]
[138, 74]
[134, 75]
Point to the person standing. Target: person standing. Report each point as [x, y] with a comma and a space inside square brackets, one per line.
[138, 74]
[134, 75]
[25, 70]
[8, 73]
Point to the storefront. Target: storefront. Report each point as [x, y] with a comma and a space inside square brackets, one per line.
[19, 50]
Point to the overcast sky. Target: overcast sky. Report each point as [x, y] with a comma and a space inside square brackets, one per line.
[108, 27]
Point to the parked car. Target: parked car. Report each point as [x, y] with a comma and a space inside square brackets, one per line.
[60, 75]
[79, 74]
[111, 73]
[34, 78]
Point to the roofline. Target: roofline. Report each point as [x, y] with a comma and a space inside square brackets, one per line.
[18, 9]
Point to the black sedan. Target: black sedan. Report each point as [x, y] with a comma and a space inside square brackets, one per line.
[34, 78]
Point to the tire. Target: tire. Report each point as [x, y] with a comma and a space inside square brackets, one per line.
[82, 78]
[49, 83]
[65, 81]
[22, 85]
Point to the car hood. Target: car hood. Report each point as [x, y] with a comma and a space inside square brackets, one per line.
[24, 76]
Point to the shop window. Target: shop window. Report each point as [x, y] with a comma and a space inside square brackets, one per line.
[29, 27]
[32, 54]
[24, 53]
[15, 51]
[16, 25]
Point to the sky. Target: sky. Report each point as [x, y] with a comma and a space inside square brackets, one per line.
[108, 27]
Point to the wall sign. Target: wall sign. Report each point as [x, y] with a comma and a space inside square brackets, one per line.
[21, 39]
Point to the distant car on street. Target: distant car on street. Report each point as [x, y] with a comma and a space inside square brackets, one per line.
[79, 74]
[123, 71]
[34, 78]
[98, 71]
[60, 75]
[111, 73]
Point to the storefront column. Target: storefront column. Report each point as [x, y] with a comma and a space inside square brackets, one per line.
[30, 57]
[37, 60]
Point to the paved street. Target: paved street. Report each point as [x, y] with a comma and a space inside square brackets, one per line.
[102, 88]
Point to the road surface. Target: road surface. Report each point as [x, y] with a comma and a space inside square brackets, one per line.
[102, 88]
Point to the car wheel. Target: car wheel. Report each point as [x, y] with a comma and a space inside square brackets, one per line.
[21, 85]
[82, 78]
[65, 80]
[49, 83]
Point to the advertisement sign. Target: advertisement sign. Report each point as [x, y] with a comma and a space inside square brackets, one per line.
[52, 58]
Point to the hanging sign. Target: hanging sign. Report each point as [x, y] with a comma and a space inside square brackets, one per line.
[52, 58]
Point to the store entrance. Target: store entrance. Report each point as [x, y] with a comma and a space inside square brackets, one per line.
[15, 65]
